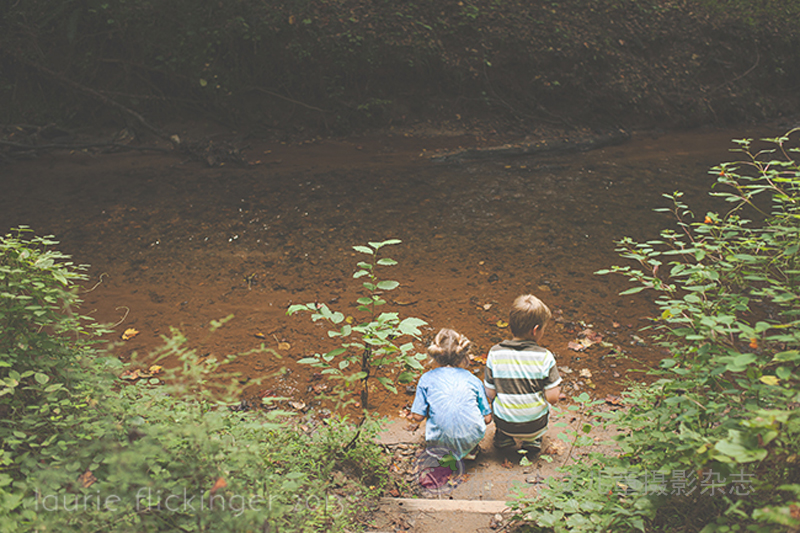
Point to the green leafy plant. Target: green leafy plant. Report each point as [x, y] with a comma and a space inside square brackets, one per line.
[717, 435]
[369, 350]
[82, 450]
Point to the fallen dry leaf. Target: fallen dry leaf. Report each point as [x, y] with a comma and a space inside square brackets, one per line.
[592, 335]
[578, 347]
[130, 374]
[284, 346]
[613, 400]
[259, 335]
[87, 479]
[507, 464]
[585, 373]
[565, 369]
[128, 334]
[554, 447]
[479, 358]
[220, 484]
[155, 369]
[502, 324]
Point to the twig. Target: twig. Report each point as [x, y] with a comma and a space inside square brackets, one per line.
[121, 320]
[276, 95]
[748, 71]
[103, 98]
[96, 284]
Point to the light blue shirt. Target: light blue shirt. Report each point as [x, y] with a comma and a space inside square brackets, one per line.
[455, 403]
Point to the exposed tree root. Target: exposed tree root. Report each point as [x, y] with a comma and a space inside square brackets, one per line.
[29, 143]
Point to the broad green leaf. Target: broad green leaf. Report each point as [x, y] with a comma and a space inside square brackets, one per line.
[406, 377]
[298, 307]
[632, 291]
[387, 285]
[413, 363]
[387, 383]
[385, 261]
[363, 250]
[378, 245]
[739, 453]
[411, 325]
[41, 379]
[790, 355]
[334, 353]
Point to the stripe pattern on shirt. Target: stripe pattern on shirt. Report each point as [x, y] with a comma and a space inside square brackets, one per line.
[520, 372]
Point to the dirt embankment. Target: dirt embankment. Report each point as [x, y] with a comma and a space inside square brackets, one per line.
[301, 69]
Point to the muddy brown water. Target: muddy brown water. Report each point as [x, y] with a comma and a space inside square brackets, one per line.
[176, 244]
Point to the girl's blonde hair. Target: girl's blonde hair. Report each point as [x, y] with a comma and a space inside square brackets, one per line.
[449, 347]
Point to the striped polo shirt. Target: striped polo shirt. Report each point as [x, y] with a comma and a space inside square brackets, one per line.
[520, 371]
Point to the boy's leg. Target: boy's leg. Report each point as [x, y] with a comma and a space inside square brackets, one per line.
[501, 440]
[532, 446]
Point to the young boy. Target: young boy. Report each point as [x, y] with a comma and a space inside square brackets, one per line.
[521, 378]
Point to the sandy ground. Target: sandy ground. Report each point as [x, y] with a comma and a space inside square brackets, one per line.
[478, 501]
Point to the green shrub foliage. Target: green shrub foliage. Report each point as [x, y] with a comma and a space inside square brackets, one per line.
[84, 451]
[713, 443]
[370, 350]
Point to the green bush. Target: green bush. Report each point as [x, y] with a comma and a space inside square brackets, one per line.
[85, 451]
[713, 444]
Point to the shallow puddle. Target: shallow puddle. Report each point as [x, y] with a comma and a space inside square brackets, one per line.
[178, 245]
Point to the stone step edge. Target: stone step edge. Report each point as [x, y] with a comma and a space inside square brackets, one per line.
[466, 506]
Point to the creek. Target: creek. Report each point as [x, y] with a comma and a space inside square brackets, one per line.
[175, 244]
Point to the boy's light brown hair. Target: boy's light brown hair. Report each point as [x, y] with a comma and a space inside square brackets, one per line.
[527, 312]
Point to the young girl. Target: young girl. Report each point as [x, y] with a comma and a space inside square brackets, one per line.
[453, 400]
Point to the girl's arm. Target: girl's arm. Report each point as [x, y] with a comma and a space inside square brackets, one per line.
[414, 417]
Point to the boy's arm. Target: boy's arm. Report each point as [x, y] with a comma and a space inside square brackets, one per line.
[490, 393]
[488, 380]
[553, 389]
[414, 417]
[552, 394]
[487, 419]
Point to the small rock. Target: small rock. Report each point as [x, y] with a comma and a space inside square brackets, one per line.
[300, 406]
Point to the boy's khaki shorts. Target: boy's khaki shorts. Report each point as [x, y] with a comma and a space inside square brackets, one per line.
[504, 440]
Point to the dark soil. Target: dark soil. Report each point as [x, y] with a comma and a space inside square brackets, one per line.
[297, 70]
